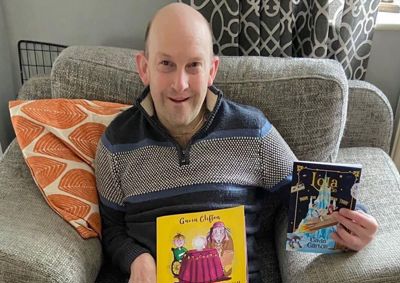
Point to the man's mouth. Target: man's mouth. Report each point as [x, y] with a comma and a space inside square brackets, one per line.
[179, 100]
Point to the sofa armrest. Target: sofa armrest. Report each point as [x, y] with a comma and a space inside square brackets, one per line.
[36, 88]
[36, 244]
[369, 117]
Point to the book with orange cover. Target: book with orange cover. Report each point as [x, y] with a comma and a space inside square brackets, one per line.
[318, 190]
[207, 246]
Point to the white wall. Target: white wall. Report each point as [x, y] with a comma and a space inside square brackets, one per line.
[7, 88]
[384, 64]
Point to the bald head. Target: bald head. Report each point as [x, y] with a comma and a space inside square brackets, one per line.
[181, 19]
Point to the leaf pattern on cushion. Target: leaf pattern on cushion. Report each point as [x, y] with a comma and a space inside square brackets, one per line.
[25, 130]
[95, 221]
[62, 114]
[80, 183]
[71, 208]
[86, 137]
[86, 233]
[50, 145]
[45, 170]
[58, 138]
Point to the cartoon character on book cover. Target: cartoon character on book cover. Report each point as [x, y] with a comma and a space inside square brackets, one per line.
[220, 239]
[179, 251]
[317, 191]
[202, 247]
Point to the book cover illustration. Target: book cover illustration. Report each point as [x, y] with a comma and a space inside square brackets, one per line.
[200, 247]
[319, 189]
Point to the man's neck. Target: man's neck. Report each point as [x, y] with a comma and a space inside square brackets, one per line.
[183, 134]
[193, 126]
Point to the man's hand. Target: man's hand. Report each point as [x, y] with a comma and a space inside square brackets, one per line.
[143, 269]
[361, 229]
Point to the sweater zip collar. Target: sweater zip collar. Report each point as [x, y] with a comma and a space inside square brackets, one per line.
[146, 106]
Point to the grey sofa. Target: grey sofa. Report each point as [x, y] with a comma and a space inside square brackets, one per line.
[321, 114]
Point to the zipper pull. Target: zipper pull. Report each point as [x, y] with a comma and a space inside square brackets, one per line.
[184, 158]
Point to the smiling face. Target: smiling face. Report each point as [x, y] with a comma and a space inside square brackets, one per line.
[179, 242]
[218, 234]
[179, 66]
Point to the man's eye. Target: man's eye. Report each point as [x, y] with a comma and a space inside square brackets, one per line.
[193, 68]
[165, 66]
[194, 65]
[165, 63]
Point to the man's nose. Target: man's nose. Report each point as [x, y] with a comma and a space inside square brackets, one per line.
[181, 81]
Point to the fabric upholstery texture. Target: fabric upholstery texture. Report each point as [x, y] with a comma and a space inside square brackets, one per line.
[58, 138]
[36, 244]
[37, 88]
[101, 73]
[364, 99]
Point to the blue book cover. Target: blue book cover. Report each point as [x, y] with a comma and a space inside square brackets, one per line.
[319, 189]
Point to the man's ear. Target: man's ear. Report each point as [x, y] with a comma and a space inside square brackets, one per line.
[142, 67]
[213, 70]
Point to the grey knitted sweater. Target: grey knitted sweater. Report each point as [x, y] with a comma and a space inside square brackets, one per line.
[142, 173]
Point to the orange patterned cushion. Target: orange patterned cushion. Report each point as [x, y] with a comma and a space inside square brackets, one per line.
[58, 139]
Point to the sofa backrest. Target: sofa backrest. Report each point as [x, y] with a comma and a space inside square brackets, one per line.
[305, 99]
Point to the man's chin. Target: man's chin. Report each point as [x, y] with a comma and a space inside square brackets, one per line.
[180, 119]
[180, 124]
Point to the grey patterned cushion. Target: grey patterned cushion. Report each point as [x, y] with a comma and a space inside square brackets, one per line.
[288, 91]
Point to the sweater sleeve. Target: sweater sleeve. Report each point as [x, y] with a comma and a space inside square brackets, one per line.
[121, 248]
[276, 160]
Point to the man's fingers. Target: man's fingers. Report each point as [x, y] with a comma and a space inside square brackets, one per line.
[364, 220]
[355, 229]
[352, 226]
[343, 237]
[338, 240]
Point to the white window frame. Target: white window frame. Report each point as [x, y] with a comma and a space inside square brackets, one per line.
[391, 6]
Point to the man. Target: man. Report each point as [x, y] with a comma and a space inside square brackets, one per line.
[183, 148]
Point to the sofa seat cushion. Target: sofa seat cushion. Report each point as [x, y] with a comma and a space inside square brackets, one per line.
[380, 186]
[36, 244]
